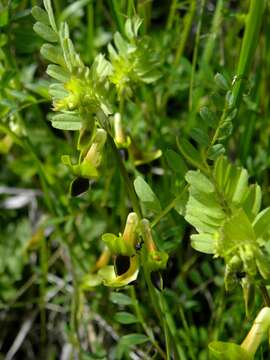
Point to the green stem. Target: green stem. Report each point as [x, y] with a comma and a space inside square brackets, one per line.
[184, 35]
[44, 270]
[140, 317]
[90, 30]
[144, 11]
[250, 42]
[129, 186]
[171, 14]
[265, 295]
[161, 309]
[168, 208]
[131, 8]
[195, 54]
[75, 308]
[188, 338]
[114, 5]
[167, 316]
[215, 28]
[246, 138]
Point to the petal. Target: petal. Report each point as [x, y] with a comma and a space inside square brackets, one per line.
[110, 278]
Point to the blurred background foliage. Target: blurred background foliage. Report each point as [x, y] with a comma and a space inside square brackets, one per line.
[40, 300]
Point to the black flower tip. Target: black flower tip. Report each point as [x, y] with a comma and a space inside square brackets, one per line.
[79, 186]
[121, 264]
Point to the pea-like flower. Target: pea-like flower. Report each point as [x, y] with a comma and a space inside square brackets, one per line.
[88, 168]
[132, 249]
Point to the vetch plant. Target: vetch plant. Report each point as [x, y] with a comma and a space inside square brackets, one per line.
[221, 205]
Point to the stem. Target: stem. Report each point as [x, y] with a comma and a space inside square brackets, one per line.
[188, 332]
[147, 330]
[131, 8]
[114, 5]
[144, 11]
[161, 308]
[215, 28]
[250, 41]
[265, 295]
[90, 30]
[171, 14]
[217, 130]
[184, 35]
[75, 308]
[44, 270]
[182, 43]
[129, 186]
[168, 208]
[195, 54]
[171, 326]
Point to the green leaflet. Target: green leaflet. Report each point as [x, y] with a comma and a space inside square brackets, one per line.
[57, 90]
[53, 54]
[190, 153]
[203, 242]
[215, 151]
[252, 201]
[124, 317]
[221, 82]
[48, 7]
[58, 73]
[231, 181]
[203, 209]
[200, 225]
[209, 117]
[132, 27]
[67, 125]
[45, 32]
[241, 186]
[176, 162]
[200, 182]
[227, 351]
[236, 231]
[40, 15]
[134, 339]
[66, 122]
[207, 204]
[146, 195]
[74, 7]
[200, 136]
[261, 223]
[120, 298]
